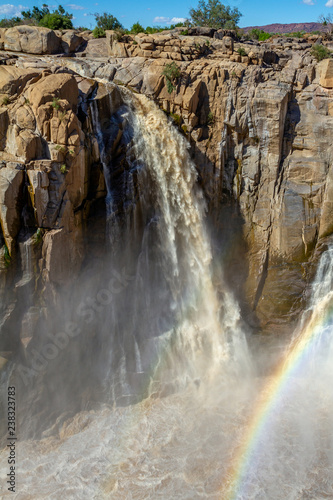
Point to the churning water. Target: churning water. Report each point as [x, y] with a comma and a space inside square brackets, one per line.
[223, 431]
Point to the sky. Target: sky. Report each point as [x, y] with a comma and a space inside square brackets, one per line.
[162, 13]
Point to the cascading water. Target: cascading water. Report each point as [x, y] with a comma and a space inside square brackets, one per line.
[230, 434]
[173, 332]
[174, 212]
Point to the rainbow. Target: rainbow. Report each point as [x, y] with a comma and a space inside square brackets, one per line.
[268, 401]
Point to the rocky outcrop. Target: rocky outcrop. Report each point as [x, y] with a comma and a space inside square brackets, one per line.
[37, 40]
[159, 45]
[50, 177]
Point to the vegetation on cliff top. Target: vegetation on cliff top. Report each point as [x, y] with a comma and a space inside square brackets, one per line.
[215, 15]
[208, 13]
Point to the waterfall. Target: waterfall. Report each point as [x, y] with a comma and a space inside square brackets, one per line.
[175, 322]
[157, 329]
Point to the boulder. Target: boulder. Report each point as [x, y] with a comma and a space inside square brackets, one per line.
[13, 80]
[114, 47]
[202, 31]
[59, 86]
[29, 145]
[32, 40]
[326, 76]
[71, 41]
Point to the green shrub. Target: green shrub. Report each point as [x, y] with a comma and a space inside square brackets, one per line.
[150, 31]
[137, 28]
[171, 73]
[296, 34]
[320, 52]
[5, 101]
[185, 32]
[63, 169]
[259, 35]
[56, 21]
[98, 32]
[242, 52]
[264, 36]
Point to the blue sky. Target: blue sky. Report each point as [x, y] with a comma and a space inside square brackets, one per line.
[150, 13]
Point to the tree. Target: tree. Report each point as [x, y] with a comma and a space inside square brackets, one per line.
[106, 21]
[327, 22]
[137, 28]
[215, 15]
[9, 23]
[58, 19]
[36, 14]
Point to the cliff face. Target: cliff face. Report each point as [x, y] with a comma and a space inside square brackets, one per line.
[259, 129]
[259, 126]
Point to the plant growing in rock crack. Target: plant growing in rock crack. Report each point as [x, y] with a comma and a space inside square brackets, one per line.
[61, 149]
[210, 118]
[7, 257]
[55, 103]
[27, 102]
[5, 101]
[171, 73]
[63, 169]
[38, 236]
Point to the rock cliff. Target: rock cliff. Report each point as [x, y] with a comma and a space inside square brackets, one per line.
[258, 119]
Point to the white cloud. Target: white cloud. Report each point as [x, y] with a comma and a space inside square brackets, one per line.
[164, 20]
[176, 20]
[329, 3]
[168, 20]
[11, 10]
[73, 6]
[308, 2]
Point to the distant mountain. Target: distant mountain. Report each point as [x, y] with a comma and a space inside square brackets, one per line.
[287, 28]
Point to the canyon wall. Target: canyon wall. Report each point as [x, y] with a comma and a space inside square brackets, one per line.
[258, 120]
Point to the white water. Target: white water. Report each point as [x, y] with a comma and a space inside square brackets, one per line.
[181, 446]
